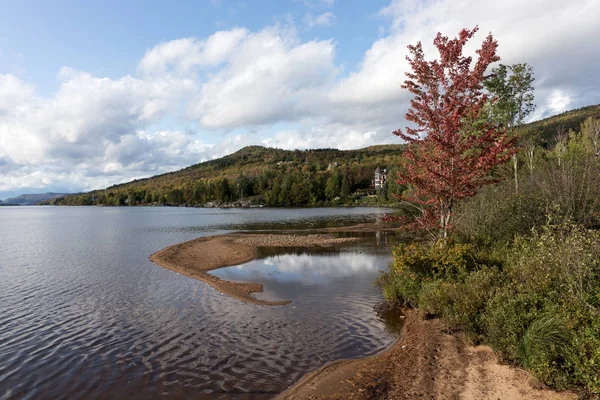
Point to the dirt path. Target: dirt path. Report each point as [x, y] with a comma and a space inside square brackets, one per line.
[196, 257]
[426, 363]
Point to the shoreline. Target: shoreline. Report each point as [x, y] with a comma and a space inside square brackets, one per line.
[195, 258]
[425, 362]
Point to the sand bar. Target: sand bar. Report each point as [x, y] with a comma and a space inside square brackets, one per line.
[196, 257]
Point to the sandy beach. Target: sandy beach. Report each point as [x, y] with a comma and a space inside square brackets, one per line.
[196, 257]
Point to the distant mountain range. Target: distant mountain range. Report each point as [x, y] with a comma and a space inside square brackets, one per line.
[31, 199]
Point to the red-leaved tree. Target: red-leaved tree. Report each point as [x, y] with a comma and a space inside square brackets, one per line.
[450, 152]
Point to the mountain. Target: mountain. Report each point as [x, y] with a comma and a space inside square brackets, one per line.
[32, 199]
[279, 177]
[269, 176]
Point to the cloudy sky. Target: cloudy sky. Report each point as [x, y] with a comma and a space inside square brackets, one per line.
[98, 93]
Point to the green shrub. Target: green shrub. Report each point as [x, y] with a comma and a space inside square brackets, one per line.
[506, 318]
[583, 356]
[418, 263]
[539, 308]
[434, 261]
[461, 303]
[543, 350]
[496, 214]
[400, 289]
[552, 284]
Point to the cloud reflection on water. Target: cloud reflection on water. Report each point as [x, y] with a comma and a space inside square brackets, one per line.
[305, 268]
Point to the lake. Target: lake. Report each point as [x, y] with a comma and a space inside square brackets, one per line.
[85, 314]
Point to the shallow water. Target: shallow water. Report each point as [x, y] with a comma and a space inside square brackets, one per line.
[84, 313]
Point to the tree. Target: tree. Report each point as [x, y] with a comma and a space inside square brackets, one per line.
[285, 195]
[446, 160]
[332, 188]
[530, 146]
[345, 187]
[393, 189]
[300, 192]
[591, 129]
[568, 181]
[199, 191]
[244, 186]
[512, 88]
[384, 191]
[223, 190]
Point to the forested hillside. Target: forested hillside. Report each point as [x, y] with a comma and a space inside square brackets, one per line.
[260, 175]
[277, 177]
[545, 131]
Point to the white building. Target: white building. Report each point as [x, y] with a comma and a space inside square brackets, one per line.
[379, 178]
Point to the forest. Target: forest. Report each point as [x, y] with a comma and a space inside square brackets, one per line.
[276, 177]
[258, 175]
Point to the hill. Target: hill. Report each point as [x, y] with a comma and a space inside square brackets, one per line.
[277, 177]
[32, 199]
[544, 131]
[270, 176]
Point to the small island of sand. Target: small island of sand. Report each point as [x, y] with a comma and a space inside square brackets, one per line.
[196, 257]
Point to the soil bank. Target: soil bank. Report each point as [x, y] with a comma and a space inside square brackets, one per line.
[425, 363]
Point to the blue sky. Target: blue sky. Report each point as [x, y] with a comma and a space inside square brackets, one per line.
[98, 93]
[109, 38]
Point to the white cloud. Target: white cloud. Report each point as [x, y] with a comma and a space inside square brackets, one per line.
[338, 136]
[325, 19]
[269, 78]
[89, 125]
[559, 101]
[181, 53]
[551, 35]
[182, 56]
[379, 78]
[13, 92]
[85, 113]
[133, 156]
[236, 84]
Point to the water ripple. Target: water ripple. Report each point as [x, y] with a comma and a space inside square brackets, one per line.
[85, 314]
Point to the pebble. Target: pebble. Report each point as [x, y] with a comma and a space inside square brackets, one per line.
[292, 240]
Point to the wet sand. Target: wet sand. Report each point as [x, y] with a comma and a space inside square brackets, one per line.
[196, 257]
[426, 362]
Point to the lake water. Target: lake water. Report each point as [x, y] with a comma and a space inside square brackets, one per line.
[85, 314]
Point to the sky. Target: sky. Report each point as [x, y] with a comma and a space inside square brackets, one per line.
[98, 93]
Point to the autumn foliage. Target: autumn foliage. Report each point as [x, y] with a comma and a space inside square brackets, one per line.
[451, 151]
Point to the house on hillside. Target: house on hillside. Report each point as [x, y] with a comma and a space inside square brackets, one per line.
[379, 178]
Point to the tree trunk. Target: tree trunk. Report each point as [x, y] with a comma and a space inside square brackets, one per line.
[445, 219]
[530, 153]
[515, 160]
